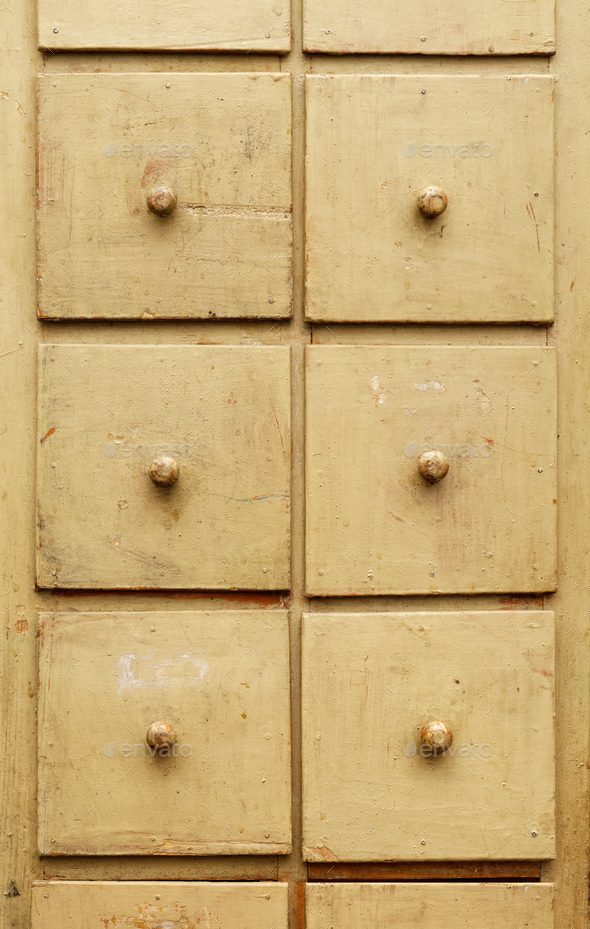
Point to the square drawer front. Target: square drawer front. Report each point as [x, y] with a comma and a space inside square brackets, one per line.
[459, 27]
[169, 25]
[108, 416]
[430, 906]
[380, 693]
[164, 733]
[154, 905]
[375, 415]
[486, 142]
[112, 148]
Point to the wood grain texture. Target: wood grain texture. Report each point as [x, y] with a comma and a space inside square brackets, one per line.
[345, 27]
[374, 526]
[425, 870]
[371, 682]
[220, 679]
[487, 141]
[223, 142]
[149, 904]
[255, 26]
[431, 906]
[223, 413]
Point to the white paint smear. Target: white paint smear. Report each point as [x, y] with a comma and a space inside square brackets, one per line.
[430, 385]
[152, 671]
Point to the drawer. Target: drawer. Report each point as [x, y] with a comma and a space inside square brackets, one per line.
[382, 690]
[256, 26]
[164, 733]
[212, 149]
[457, 28]
[486, 142]
[431, 905]
[154, 905]
[117, 424]
[375, 415]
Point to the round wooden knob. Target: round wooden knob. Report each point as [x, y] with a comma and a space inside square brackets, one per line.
[433, 466]
[164, 471]
[160, 734]
[161, 200]
[432, 201]
[437, 736]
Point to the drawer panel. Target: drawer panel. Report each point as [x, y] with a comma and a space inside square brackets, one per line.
[431, 906]
[169, 25]
[458, 28]
[375, 525]
[487, 142]
[154, 904]
[378, 687]
[220, 144]
[107, 413]
[217, 783]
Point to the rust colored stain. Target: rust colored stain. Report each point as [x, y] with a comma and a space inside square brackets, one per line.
[531, 213]
[521, 603]
[51, 431]
[271, 601]
[122, 504]
[21, 626]
[426, 870]
[300, 904]
[154, 173]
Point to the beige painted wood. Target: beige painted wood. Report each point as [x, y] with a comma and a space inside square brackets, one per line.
[105, 412]
[373, 143]
[254, 26]
[222, 142]
[371, 682]
[374, 525]
[457, 28]
[221, 680]
[149, 905]
[431, 906]
[21, 332]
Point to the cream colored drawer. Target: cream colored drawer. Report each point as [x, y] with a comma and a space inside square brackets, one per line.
[212, 778]
[107, 414]
[256, 26]
[218, 143]
[346, 27]
[374, 143]
[431, 906]
[152, 905]
[379, 691]
[375, 525]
